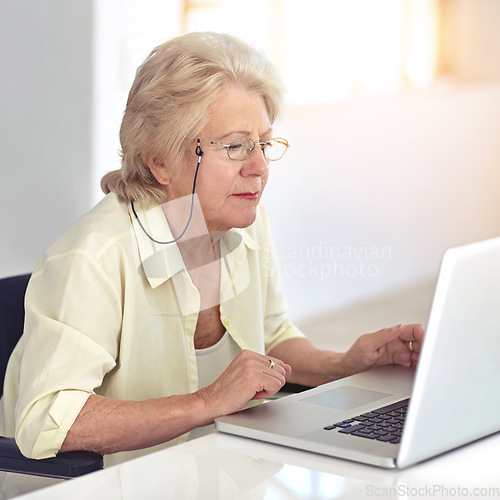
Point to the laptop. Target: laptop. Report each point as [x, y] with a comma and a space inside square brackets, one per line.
[449, 400]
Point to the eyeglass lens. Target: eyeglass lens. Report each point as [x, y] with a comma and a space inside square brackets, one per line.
[240, 149]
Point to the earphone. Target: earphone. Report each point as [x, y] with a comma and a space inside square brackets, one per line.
[199, 152]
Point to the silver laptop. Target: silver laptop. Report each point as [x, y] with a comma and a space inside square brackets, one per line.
[454, 391]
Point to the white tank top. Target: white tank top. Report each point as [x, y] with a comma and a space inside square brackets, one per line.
[211, 362]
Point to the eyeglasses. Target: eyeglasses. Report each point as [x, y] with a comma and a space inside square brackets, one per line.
[242, 148]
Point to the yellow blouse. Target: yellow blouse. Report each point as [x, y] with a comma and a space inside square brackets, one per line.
[110, 312]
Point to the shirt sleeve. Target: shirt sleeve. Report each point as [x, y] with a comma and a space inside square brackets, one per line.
[71, 338]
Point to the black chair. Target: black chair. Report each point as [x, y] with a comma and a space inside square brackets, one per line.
[64, 465]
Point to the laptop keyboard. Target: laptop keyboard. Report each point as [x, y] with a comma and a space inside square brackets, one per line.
[383, 424]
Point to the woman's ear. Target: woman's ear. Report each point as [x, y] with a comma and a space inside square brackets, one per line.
[159, 171]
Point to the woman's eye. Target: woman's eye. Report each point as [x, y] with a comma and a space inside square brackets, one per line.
[234, 146]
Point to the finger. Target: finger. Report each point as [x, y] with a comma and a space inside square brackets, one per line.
[274, 374]
[264, 394]
[278, 365]
[287, 369]
[382, 337]
[414, 334]
[270, 384]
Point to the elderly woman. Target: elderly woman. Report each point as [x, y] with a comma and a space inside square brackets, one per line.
[161, 309]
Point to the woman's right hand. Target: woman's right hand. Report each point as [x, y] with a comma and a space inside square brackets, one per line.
[107, 425]
[249, 376]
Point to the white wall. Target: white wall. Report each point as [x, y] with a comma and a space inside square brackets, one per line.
[372, 192]
[45, 124]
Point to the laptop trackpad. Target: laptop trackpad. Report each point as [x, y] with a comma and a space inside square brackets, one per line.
[345, 397]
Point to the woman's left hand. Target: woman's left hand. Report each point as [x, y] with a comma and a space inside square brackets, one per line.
[399, 345]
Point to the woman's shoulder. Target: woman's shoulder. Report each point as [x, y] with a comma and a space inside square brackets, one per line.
[107, 222]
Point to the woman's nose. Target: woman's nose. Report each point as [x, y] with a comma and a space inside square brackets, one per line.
[256, 164]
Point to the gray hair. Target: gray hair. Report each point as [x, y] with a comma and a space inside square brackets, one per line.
[168, 102]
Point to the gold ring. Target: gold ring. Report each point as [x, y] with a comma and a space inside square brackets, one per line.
[271, 364]
[410, 345]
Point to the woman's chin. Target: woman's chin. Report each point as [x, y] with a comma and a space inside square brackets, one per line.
[246, 218]
[240, 219]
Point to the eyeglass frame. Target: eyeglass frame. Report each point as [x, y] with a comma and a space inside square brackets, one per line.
[280, 140]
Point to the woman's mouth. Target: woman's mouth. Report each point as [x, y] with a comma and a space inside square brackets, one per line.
[247, 196]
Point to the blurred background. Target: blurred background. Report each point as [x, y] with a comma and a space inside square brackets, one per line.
[392, 112]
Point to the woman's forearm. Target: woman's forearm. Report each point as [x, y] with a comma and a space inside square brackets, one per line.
[106, 425]
[310, 366]
[397, 345]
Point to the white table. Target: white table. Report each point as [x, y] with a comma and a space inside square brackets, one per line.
[220, 466]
